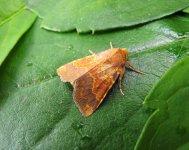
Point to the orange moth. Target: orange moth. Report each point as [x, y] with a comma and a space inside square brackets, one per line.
[93, 76]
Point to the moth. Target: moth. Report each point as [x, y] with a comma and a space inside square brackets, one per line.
[93, 76]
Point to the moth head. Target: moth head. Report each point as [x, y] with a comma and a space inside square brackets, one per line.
[124, 52]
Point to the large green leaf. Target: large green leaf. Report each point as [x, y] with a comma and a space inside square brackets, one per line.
[37, 109]
[90, 15]
[169, 124]
[15, 20]
[12, 30]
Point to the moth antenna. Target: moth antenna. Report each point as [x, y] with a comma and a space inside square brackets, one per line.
[91, 52]
[134, 68]
[111, 45]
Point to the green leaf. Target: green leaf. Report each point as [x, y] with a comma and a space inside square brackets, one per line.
[186, 10]
[90, 15]
[15, 20]
[12, 30]
[37, 109]
[168, 126]
[9, 8]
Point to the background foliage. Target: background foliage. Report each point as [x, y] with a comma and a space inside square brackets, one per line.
[37, 109]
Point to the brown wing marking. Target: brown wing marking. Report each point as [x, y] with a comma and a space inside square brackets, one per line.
[91, 88]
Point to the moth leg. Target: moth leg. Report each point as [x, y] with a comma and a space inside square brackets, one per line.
[134, 68]
[91, 52]
[111, 45]
[120, 80]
